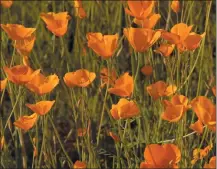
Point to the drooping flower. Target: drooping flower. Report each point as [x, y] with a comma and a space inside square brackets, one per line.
[182, 37]
[205, 111]
[57, 23]
[124, 109]
[26, 122]
[3, 84]
[175, 5]
[20, 74]
[80, 12]
[6, 4]
[108, 77]
[211, 164]
[197, 126]
[161, 156]
[141, 38]
[80, 165]
[199, 154]
[2, 142]
[17, 32]
[43, 85]
[139, 9]
[123, 86]
[79, 78]
[147, 70]
[214, 90]
[175, 109]
[103, 45]
[42, 107]
[165, 49]
[160, 89]
[114, 136]
[148, 22]
[25, 45]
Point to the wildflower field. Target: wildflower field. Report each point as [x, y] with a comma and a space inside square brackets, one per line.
[108, 84]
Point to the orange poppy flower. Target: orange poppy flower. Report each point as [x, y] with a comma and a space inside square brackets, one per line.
[165, 49]
[148, 22]
[2, 142]
[3, 84]
[197, 126]
[108, 77]
[80, 12]
[81, 132]
[114, 136]
[141, 38]
[6, 4]
[103, 45]
[205, 111]
[180, 36]
[42, 107]
[124, 109]
[20, 74]
[123, 86]
[79, 78]
[214, 90]
[160, 89]
[17, 32]
[57, 23]
[26, 122]
[147, 70]
[42, 85]
[175, 5]
[161, 156]
[25, 46]
[80, 164]
[199, 154]
[175, 109]
[211, 164]
[139, 9]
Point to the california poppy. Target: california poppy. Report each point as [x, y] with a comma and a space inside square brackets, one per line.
[80, 12]
[148, 22]
[180, 36]
[197, 126]
[42, 85]
[108, 77]
[175, 109]
[161, 156]
[20, 74]
[124, 109]
[114, 136]
[6, 4]
[42, 107]
[199, 154]
[25, 45]
[175, 5]
[57, 23]
[147, 70]
[160, 89]
[165, 49]
[211, 164]
[205, 111]
[79, 78]
[80, 164]
[139, 9]
[214, 90]
[3, 84]
[103, 45]
[141, 38]
[2, 142]
[123, 86]
[26, 122]
[17, 32]
[81, 132]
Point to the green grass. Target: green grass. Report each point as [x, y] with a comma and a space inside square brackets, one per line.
[57, 143]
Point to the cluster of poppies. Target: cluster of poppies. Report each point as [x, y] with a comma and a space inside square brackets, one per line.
[141, 39]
